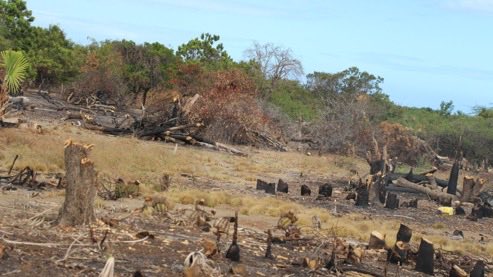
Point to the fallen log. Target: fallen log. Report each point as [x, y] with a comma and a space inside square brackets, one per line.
[456, 271]
[163, 129]
[442, 197]
[221, 147]
[416, 178]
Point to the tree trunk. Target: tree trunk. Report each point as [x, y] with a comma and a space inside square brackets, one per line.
[282, 186]
[398, 254]
[362, 196]
[478, 185]
[377, 241]
[376, 193]
[404, 234]
[325, 190]
[392, 201]
[233, 252]
[453, 180]
[467, 188]
[434, 195]
[305, 190]
[78, 208]
[425, 259]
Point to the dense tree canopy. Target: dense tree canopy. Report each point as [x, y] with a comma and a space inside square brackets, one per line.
[16, 19]
[204, 49]
[349, 81]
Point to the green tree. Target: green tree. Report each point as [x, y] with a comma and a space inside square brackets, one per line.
[484, 112]
[16, 19]
[446, 108]
[349, 81]
[55, 59]
[15, 65]
[205, 49]
[146, 66]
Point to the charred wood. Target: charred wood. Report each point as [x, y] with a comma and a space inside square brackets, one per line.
[453, 179]
[282, 186]
[425, 258]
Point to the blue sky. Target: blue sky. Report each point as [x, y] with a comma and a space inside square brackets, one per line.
[427, 50]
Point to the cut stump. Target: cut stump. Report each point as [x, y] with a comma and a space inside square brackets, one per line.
[78, 208]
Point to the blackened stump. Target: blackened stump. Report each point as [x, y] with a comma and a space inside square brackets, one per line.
[325, 190]
[305, 190]
[282, 186]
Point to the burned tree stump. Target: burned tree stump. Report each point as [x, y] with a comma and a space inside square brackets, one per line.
[398, 254]
[376, 166]
[362, 196]
[377, 241]
[453, 180]
[282, 186]
[392, 201]
[78, 208]
[413, 203]
[270, 188]
[425, 258]
[233, 252]
[267, 187]
[404, 234]
[268, 249]
[325, 190]
[479, 211]
[261, 185]
[305, 190]
[478, 269]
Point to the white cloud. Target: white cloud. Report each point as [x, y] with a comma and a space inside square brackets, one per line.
[471, 5]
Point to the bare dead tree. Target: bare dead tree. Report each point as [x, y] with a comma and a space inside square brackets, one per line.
[275, 62]
[342, 125]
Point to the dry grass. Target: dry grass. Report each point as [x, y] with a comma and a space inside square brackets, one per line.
[355, 226]
[132, 159]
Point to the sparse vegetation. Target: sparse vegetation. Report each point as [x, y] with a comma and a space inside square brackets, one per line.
[333, 119]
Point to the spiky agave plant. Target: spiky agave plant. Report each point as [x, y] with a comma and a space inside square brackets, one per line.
[14, 65]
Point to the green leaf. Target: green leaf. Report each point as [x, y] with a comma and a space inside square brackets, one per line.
[15, 65]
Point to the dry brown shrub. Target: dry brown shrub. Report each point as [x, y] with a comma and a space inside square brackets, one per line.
[101, 75]
[160, 103]
[189, 79]
[401, 143]
[229, 108]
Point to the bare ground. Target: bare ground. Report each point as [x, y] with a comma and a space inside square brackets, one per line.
[34, 246]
